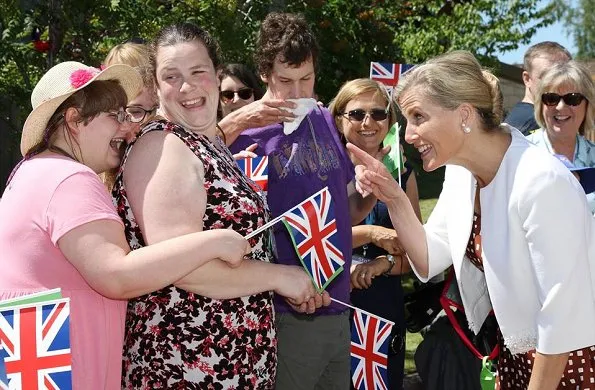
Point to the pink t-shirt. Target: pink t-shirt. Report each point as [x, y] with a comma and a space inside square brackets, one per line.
[48, 197]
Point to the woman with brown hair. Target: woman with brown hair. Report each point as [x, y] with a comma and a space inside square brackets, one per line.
[214, 327]
[59, 228]
[239, 87]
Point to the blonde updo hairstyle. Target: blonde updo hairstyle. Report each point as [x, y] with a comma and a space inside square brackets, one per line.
[457, 78]
[575, 76]
[354, 88]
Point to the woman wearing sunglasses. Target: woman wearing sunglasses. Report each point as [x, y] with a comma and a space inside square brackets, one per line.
[511, 220]
[565, 111]
[239, 87]
[363, 116]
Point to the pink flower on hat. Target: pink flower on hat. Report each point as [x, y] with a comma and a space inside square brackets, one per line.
[80, 77]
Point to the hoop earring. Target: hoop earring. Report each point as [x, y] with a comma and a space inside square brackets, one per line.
[466, 129]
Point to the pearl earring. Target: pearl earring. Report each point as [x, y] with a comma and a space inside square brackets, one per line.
[466, 129]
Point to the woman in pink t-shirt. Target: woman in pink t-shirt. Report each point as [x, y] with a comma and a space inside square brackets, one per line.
[59, 228]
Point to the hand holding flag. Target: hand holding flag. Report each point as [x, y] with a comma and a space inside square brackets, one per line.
[313, 302]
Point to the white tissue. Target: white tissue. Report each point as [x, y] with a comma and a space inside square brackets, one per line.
[304, 106]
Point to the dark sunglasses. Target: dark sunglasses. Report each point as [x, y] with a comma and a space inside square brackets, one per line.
[243, 93]
[571, 99]
[378, 114]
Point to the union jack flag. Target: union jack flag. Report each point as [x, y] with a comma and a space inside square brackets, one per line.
[36, 345]
[3, 379]
[313, 230]
[387, 73]
[369, 348]
[256, 169]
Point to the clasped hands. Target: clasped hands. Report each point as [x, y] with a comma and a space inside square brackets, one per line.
[362, 275]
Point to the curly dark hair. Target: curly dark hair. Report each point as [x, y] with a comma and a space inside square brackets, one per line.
[287, 37]
[180, 33]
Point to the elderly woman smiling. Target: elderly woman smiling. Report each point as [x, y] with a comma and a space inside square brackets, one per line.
[566, 114]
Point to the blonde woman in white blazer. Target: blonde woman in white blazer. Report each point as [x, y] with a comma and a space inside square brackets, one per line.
[533, 232]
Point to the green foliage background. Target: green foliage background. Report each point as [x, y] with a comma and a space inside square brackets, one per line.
[351, 34]
[580, 23]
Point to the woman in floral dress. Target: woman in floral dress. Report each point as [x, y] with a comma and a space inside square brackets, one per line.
[214, 328]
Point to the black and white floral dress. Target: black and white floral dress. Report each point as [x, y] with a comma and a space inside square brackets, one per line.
[179, 340]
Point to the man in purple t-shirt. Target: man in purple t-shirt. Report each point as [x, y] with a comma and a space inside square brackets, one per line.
[313, 349]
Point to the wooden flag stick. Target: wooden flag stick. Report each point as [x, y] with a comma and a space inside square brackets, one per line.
[280, 217]
[367, 312]
[400, 158]
[265, 226]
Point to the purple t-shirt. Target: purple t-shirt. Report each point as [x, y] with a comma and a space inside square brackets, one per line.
[300, 164]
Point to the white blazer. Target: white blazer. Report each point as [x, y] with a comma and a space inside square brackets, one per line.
[536, 229]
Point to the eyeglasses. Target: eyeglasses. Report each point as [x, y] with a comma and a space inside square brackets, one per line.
[358, 115]
[138, 114]
[243, 93]
[122, 116]
[571, 99]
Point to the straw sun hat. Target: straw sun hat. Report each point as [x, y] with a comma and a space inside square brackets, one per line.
[59, 83]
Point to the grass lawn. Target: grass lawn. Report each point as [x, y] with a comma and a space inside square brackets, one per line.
[426, 206]
[411, 343]
[413, 339]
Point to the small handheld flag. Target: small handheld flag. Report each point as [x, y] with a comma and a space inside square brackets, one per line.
[3, 378]
[256, 169]
[393, 161]
[369, 351]
[35, 343]
[313, 229]
[31, 299]
[387, 73]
